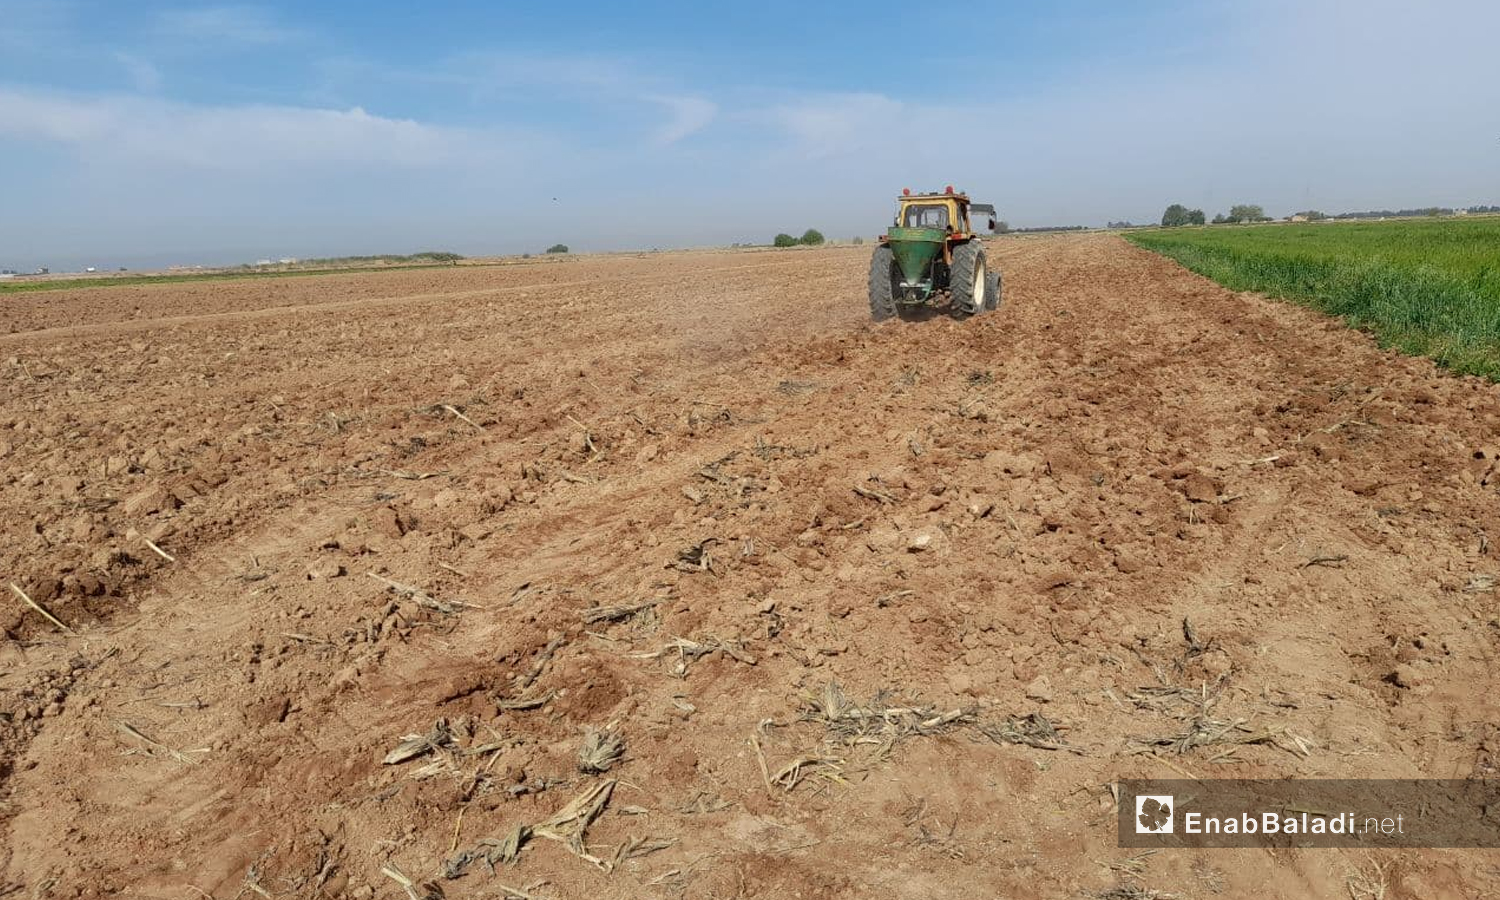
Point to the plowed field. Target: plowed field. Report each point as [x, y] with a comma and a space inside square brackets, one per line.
[876, 610]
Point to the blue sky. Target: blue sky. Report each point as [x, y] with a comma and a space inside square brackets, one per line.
[154, 133]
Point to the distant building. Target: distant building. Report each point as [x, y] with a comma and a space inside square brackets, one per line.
[262, 262]
[288, 260]
[1299, 217]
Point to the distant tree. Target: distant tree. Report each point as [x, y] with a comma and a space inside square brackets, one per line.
[1398, 213]
[1220, 219]
[1002, 227]
[1125, 224]
[784, 240]
[1175, 216]
[812, 237]
[1195, 217]
[857, 240]
[1246, 212]
[558, 248]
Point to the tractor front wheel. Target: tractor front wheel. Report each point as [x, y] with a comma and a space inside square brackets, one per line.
[968, 283]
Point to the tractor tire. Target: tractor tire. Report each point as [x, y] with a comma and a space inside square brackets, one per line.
[885, 281]
[968, 281]
[992, 292]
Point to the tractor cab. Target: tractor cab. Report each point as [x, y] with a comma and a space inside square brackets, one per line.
[948, 211]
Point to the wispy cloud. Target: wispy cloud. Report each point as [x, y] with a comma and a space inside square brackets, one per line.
[688, 116]
[226, 24]
[583, 81]
[654, 105]
[823, 125]
[142, 74]
[249, 138]
[500, 73]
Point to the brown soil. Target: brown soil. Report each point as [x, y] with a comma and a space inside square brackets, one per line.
[1045, 494]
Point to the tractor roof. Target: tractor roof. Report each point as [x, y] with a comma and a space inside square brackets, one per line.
[960, 195]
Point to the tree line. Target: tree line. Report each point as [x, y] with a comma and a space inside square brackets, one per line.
[812, 237]
[1411, 213]
[1178, 215]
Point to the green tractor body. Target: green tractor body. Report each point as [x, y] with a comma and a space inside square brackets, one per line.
[915, 249]
[931, 252]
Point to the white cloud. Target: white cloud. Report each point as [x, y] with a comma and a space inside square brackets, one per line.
[236, 24]
[247, 138]
[34, 116]
[492, 80]
[688, 116]
[492, 75]
[143, 75]
[823, 125]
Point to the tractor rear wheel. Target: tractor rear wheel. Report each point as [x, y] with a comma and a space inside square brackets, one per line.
[968, 283]
[885, 285]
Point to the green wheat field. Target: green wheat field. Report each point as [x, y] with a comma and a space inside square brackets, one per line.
[1430, 288]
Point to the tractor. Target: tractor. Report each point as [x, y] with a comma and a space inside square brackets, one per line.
[931, 251]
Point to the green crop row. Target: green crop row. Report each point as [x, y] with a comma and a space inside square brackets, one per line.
[1429, 288]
